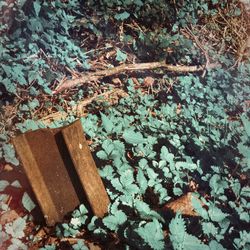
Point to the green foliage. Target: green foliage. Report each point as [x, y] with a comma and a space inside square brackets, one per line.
[120, 56]
[78, 220]
[122, 16]
[8, 153]
[202, 126]
[48, 247]
[28, 204]
[180, 238]
[80, 245]
[3, 185]
[28, 59]
[152, 234]
[149, 148]
[16, 228]
[115, 219]
[132, 137]
[243, 242]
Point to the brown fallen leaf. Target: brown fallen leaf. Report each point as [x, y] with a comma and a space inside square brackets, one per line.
[183, 205]
[178, 110]
[193, 186]
[110, 54]
[117, 81]
[93, 246]
[149, 81]
[7, 167]
[135, 81]
[8, 216]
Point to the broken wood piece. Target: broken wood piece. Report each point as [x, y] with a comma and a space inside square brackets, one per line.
[50, 169]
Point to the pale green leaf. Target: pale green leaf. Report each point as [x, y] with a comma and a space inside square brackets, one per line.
[214, 245]
[3, 185]
[28, 204]
[152, 234]
[16, 228]
[120, 56]
[107, 123]
[102, 155]
[142, 181]
[122, 16]
[37, 7]
[216, 214]
[132, 137]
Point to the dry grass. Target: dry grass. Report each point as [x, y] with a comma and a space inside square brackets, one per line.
[223, 33]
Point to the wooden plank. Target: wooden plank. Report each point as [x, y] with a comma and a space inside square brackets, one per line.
[86, 168]
[45, 169]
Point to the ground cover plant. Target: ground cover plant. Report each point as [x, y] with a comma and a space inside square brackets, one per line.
[170, 138]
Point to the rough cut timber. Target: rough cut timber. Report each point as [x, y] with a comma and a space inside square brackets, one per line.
[58, 184]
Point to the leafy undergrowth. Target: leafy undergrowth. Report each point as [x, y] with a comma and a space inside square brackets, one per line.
[170, 136]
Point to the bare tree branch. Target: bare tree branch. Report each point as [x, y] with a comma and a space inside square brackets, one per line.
[95, 76]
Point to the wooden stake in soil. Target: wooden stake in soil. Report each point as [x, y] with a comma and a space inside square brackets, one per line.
[61, 171]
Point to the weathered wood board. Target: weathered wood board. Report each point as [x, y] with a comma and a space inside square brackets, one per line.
[86, 169]
[61, 171]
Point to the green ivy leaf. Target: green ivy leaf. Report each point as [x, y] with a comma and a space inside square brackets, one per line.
[209, 228]
[28, 204]
[122, 16]
[80, 245]
[120, 56]
[37, 7]
[142, 181]
[216, 214]
[17, 244]
[214, 245]
[196, 203]
[102, 155]
[9, 86]
[107, 123]
[132, 137]
[177, 230]
[145, 211]
[152, 234]
[9, 154]
[114, 221]
[3, 185]
[181, 239]
[246, 123]
[33, 104]
[245, 192]
[193, 243]
[16, 228]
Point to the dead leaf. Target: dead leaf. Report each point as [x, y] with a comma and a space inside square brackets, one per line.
[42, 233]
[8, 216]
[117, 81]
[110, 54]
[178, 110]
[93, 246]
[7, 168]
[193, 186]
[183, 205]
[149, 81]
[135, 81]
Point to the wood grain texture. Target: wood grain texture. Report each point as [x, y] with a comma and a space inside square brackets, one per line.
[86, 168]
[47, 174]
